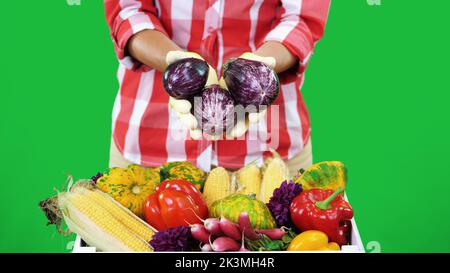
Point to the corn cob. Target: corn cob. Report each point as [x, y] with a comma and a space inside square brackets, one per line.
[249, 179]
[275, 171]
[119, 212]
[218, 185]
[107, 233]
[101, 221]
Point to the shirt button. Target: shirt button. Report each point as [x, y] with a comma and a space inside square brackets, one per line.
[211, 29]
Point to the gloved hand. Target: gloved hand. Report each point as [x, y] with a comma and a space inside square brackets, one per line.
[183, 107]
[242, 125]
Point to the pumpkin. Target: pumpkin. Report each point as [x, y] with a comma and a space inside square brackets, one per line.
[231, 206]
[183, 170]
[324, 175]
[130, 186]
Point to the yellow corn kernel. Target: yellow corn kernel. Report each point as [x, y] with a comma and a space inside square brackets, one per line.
[106, 222]
[249, 179]
[274, 173]
[217, 185]
[122, 214]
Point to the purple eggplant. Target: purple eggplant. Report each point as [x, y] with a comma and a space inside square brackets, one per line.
[251, 82]
[214, 110]
[185, 78]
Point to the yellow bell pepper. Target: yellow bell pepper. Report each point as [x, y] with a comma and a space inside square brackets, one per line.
[312, 240]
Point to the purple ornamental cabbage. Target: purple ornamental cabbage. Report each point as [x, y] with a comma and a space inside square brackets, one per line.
[215, 111]
[251, 82]
[281, 200]
[173, 239]
[185, 78]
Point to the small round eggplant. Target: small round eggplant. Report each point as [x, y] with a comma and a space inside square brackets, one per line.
[251, 82]
[215, 110]
[185, 78]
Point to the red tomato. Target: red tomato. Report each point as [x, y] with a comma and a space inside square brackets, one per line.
[175, 203]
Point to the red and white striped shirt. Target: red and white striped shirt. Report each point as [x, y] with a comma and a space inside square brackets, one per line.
[147, 132]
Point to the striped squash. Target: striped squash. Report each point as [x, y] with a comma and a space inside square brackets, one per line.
[324, 175]
[183, 170]
[130, 186]
[231, 206]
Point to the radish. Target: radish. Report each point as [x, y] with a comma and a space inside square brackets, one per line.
[212, 225]
[229, 228]
[274, 234]
[200, 233]
[243, 249]
[246, 227]
[206, 248]
[222, 244]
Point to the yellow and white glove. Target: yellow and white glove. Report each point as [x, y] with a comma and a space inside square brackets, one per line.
[242, 125]
[269, 61]
[183, 107]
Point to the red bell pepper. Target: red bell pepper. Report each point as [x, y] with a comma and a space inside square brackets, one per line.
[323, 210]
[175, 203]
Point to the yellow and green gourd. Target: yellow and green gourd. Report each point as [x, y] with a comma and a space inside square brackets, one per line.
[183, 170]
[324, 175]
[231, 206]
[130, 186]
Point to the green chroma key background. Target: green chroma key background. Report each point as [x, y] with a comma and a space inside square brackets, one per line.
[377, 89]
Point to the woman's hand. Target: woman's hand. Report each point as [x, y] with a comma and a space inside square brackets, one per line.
[284, 59]
[183, 107]
[242, 125]
[150, 47]
[277, 57]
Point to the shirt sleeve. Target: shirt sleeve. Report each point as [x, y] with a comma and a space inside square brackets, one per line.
[126, 18]
[299, 26]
